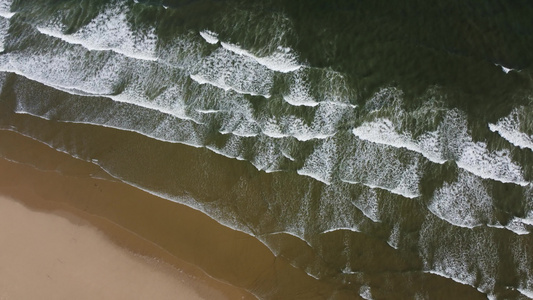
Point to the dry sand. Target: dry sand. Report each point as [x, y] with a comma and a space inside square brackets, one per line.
[46, 256]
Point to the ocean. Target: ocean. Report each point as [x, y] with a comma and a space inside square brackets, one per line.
[384, 148]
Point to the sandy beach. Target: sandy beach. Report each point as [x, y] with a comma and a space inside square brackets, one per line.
[218, 262]
[54, 245]
[47, 256]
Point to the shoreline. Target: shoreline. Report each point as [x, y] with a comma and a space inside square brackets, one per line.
[59, 255]
[232, 262]
[190, 280]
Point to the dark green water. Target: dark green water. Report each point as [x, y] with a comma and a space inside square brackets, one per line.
[384, 148]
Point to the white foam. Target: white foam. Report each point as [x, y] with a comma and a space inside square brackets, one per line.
[517, 225]
[526, 292]
[219, 152]
[468, 282]
[522, 264]
[266, 157]
[315, 176]
[398, 192]
[109, 31]
[464, 203]
[475, 156]
[4, 27]
[220, 83]
[282, 60]
[349, 272]
[207, 111]
[209, 36]
[288, 156]
[225, 70]
[450, 138]
[368, 204]
[381, 167]
[495, 165]
[405, 192]
[504, 69]
[394, 238]
[323, 126]
[297, 100]
[5, 9]
[352, 229]
[118, 98]
[320, 164]
[7, 15]
[383, 131]
[299, 94]
[510, 128]
[466, 256]
[291, 126]
[239, 133]
[333, 90]
[365, 292]
[291, 234]
[238, 117]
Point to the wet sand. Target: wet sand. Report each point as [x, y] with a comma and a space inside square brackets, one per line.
[55, 246]
[149, 226]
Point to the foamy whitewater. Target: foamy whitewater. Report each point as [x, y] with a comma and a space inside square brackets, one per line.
[307, 143]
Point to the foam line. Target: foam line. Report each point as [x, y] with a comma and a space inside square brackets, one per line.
[209, 36]
[280, 61]
[222, 85]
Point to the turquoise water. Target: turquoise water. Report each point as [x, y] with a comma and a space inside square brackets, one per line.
[373, 145]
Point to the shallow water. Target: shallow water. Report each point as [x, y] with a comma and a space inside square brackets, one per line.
[373, 146]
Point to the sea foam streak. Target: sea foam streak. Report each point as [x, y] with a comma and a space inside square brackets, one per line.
[209, 36]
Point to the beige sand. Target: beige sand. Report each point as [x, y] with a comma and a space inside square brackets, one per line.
[46, 256]
[154, 227]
